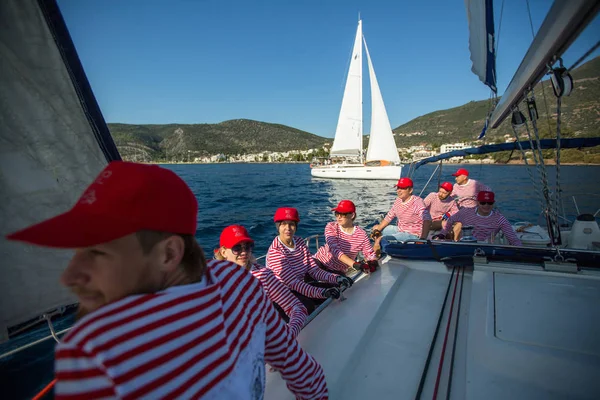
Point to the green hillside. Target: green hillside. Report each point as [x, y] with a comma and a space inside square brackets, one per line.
[580, 114]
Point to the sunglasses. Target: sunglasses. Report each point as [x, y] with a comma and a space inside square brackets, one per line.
[339, 214]
[241, 247]
[399, 188]
[486, 203]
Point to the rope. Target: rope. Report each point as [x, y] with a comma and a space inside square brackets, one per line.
[530, 21]
[433, 173]
[583, 57]
[45, 390]
[441, 363]
[499, 27]
[462, 279]
[557, 200]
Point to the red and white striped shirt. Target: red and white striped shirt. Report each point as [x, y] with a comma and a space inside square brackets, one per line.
[206, 340]
[280, 294]
[437, 208]
[338, 243]
[467, 193]
[410, 214]
[291, 265]
[483, 226]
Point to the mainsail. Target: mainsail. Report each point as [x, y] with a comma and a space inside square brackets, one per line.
[349, 131]
[382, 145]
[53, 142]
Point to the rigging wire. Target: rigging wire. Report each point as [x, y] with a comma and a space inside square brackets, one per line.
[583, 57]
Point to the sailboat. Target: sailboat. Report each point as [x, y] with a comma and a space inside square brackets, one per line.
[382, 160]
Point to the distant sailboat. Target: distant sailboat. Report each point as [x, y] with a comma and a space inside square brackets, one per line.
[382, 160]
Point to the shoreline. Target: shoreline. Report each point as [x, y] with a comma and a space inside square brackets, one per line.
[513, 162]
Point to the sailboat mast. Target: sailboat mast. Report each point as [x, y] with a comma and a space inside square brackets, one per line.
[360, 91]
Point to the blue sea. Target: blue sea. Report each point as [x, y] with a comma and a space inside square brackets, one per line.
[249, 194]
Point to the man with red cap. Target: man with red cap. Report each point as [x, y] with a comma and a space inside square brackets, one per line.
[440, 205]
[413, 218]
[157, 320]
[465, 191]
[289, 258]
[343, 241]
[486, 222]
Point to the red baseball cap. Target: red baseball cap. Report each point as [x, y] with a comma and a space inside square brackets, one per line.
[233, 235]
[286, 214]
[447, 186]
[345, 206]
[461, 171]
[404, 183]
[485, 196]
[124, 198]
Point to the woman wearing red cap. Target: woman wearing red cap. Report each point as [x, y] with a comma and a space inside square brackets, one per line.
[289, 258]
[414, 220]
[343, 242]
[486, 221]
[237, 246]
[441, 206]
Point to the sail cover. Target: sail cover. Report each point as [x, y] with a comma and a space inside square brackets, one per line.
[382, 145]
[480, 15]
[53, 142]
[349, 131]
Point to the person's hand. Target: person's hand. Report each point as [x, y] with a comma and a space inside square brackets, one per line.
[332, 292]
[373, 264]
[344, 281]
[375, 234]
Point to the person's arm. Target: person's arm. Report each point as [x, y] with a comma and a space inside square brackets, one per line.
[423, 213]
[80, 375]
[332, 240]
[314, 270]
[277, 262]
[389, 217]
[280, 294]
[303, 375]
[509, 232]
[366, 247]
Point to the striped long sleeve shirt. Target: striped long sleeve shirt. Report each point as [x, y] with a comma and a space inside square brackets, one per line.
[467, 193]
[292, 265]
[437, 208]
[338, 243]
[483, 226]
[280, 294]
[410, 215]
[206, 340]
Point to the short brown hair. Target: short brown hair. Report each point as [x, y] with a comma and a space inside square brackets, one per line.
[193, 260]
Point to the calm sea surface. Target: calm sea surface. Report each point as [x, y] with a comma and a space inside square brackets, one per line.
[249, 194]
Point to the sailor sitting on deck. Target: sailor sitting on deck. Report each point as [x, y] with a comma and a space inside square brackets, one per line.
[289, 258]
[485, 221]
[157, 320]
[414, 220]
[237, 246]
[440, 206]
[466, 189]
[343, 241]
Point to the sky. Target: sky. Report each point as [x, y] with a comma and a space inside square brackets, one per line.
[285, 61]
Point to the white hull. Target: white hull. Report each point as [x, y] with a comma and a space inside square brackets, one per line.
[350, 171]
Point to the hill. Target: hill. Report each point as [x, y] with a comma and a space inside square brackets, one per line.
[240, 136]
[580, 115]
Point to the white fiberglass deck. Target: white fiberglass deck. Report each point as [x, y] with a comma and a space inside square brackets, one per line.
[522, 333]
[357, 171]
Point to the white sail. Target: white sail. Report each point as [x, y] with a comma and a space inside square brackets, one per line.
[349, 131]
[382, 145]
[48, 155]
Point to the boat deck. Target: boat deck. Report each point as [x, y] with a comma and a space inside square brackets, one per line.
[521, 332]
